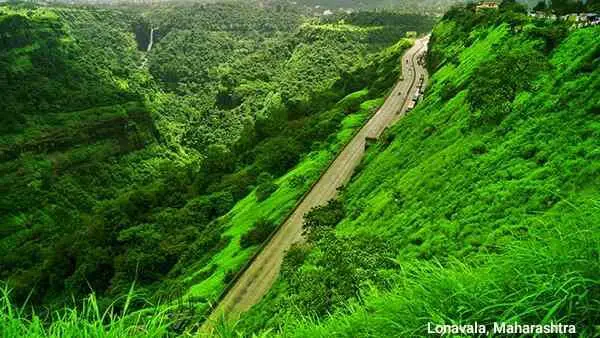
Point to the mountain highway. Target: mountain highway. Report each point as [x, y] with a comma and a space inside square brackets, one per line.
[258, 278]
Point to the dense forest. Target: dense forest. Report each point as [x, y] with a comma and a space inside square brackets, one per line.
[434, 5]
[122, 165]
[410, 6]
[136, 183]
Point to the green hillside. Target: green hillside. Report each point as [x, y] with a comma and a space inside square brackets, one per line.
[121, 166]
[135, 184]
[73, 115]
[410, 6]
[481, 205]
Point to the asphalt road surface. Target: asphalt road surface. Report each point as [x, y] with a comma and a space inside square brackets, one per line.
[256, 281]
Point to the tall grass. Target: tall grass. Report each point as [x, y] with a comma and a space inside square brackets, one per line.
[554, 276]
[84, 321]
[228, 328]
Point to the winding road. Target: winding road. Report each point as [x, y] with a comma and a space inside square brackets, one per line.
[258, 278]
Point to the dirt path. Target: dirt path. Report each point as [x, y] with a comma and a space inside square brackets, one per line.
[258, 278]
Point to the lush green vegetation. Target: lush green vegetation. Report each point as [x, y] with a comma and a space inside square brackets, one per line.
[166, 168]
[481, 205]
[410, 6]
[568, 6]
[169, 169]
[74, 122]
[89, 320]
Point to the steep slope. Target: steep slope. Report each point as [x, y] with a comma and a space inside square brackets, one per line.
[481, 205]
[253, 218]
[280, 98]
[118, 170]
[265, 266]
[71, 108]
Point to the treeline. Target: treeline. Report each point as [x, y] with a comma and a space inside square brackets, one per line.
[562, 7]
[405, 6]
[39, 65]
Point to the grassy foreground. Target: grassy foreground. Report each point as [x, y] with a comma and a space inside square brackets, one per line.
[533, 282]
[86, 321]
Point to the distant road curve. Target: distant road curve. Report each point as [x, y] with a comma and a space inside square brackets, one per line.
[256, 281]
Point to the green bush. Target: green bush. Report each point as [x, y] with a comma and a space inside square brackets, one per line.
[277, 155]
[258, 234]
[322, 219]
[265, 187]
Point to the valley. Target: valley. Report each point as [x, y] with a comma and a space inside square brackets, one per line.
[258, 277]
[264, 169]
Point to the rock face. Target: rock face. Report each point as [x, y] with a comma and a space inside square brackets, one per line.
[132, 129]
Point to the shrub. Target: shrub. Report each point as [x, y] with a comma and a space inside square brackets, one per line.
[261, 231]
[322, 218]
[265, 187]
[278, 154]
[263, 191]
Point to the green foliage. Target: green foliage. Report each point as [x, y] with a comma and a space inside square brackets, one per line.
[265, 65]
[248, 211]
[258, 234]
[265, 187]
[119, 164]
[277, 155]
[540, 6]
[478, 199]
[497, 81]
[562, 7]
[219, 159]
[319, 281]
[406, 6]
[555, 279]
[551, 34]
[321, 220]
[40, 57]
[173, 176]
[83, 124]
[87, 320]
